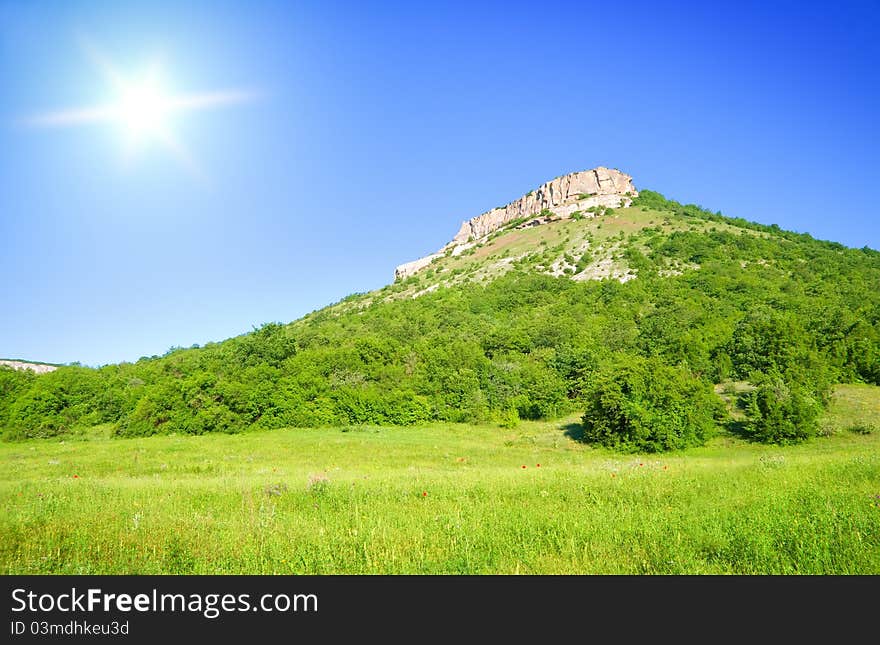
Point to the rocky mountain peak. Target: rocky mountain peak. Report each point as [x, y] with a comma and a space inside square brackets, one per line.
[559, 198]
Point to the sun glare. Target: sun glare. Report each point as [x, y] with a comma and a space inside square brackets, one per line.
[142, 109]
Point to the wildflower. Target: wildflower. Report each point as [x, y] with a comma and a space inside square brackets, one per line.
[537, 465]
[76, 476]
[523, 466]
[424, 493]
[276, 489]
[318, 484]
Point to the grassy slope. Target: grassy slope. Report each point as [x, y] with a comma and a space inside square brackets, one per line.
[243, 503]
[598, 235]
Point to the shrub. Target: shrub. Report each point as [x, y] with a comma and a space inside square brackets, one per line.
[781, 412]
[39, 413]
[642, 404]
[509, 418]
[583, 262]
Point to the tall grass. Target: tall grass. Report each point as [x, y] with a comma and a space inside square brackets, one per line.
[439, 499]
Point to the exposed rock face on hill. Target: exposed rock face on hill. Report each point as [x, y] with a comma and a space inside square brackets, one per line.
[39, 368]
[576, 192]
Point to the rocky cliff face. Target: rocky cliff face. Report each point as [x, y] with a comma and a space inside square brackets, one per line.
[562, 196]
[39, 368]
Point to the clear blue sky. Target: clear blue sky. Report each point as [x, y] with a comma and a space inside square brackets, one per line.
[379, 127]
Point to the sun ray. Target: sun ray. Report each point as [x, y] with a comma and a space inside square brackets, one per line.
[142, 108]
[182, 154]
[211, 99]
[102, 62]
[100, 114]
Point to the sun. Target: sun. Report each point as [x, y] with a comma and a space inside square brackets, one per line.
[143, 109]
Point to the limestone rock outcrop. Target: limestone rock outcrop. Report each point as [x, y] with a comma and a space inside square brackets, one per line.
[578, 191]
[39, 368]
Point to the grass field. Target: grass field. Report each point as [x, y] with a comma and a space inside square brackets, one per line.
[443, 499]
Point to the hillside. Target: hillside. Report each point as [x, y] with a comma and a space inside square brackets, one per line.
[526, 322]
[591, 247]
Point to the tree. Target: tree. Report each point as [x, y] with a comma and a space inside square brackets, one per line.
[781, 412]
[642, 404]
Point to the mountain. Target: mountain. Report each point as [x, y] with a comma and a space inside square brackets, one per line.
[631, 308]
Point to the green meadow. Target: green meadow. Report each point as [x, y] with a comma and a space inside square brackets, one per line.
[446, 499]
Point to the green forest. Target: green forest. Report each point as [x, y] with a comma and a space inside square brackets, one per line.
[779, 315]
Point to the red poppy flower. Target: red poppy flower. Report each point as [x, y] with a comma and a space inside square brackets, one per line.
[524, 466]
[537, 465]
[76, 476]
[424, 493]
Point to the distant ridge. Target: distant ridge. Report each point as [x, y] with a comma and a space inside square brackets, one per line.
[39, 368]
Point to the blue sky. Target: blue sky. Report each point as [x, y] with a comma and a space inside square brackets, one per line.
[379, 127]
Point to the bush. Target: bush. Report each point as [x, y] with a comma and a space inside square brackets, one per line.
[781, 412]
[584, 261]
[39, 413]
[862, 428]
[508, 419]
[642, 404]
